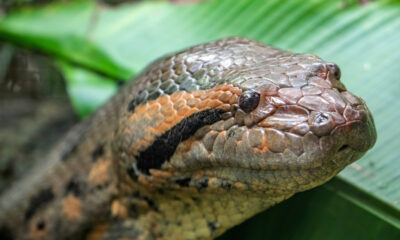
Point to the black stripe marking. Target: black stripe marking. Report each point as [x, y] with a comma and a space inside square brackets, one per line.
[40, 200]
[164, 146]
[98, 152]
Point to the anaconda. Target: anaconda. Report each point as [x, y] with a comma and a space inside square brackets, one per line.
[200, 141]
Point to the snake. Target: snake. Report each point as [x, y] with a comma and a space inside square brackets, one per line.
[200, 141]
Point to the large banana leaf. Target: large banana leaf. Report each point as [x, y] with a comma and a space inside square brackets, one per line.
[98, 45]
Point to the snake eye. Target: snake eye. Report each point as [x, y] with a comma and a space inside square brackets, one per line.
[249, 100]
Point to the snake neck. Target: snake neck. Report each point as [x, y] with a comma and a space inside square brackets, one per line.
[173, 214]
[70, 189]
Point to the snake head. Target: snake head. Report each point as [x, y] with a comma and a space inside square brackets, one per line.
[235, 120]
[237, 112]
[267, 120]
[305, 128]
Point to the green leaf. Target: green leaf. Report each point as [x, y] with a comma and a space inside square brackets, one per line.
[363, 39]
[63, 30]
[86, 89]
[316, 214]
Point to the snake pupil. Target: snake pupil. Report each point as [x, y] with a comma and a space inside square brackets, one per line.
[249, 100]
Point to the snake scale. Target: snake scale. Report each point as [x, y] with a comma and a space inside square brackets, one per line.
[199, 142]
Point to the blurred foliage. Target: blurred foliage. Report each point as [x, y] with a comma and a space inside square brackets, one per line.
[34, 110]
[7, 5]
[10, 5]
[96, 46]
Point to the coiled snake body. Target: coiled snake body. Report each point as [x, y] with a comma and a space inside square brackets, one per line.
[199, 142]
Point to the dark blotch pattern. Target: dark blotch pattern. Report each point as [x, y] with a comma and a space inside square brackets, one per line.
[41, 225]
[38, 201]
[231, 133]
[98, 152]
[5, 233]
[132, 174]
[183, 182]
[75, 187]
[148, 200]
[203, 183]
[226, 185]
[132, 105]
[212, 226]
[164, 146]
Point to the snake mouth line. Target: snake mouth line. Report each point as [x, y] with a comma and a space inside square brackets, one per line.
[260, 180]
[346, 155]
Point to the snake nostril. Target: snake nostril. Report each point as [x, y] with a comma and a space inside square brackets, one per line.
[343, 147]
[334, 70]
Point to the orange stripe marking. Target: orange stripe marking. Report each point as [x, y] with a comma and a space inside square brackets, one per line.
[155, 117]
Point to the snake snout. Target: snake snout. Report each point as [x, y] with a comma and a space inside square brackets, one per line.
[358, 133]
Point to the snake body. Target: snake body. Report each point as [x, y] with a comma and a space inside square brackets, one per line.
[200, 141]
